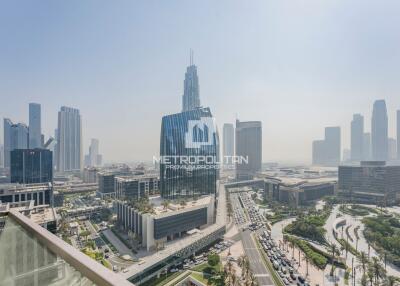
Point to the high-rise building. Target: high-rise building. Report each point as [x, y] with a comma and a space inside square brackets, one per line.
[15, 137]
[346, 155]
[228, 149]
[357, 137]
[248, 143]
[191, 90]
[392, 149]
[1, 156]
[327, 152]
[379, 131]
[69, 142]
[35, 129]
[190, 146]
[398, 133]
[333, 147]
[367, 146]
[93, 159]
[318, 152]
[31, 166]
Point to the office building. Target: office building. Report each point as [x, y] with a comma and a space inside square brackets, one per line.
[346, 155]
[69, 140]
[157, 223]
[1, 156]
[15, 137]
[379, 131]
[35, 129]
[392, 149]
[106, 180]
[248, 144]
[93, 159]
[228, 150]
[31, 166]
[41, 194]
[327, 152]
[136, 187]
[357, 137]
[398, 133]
[370, 182]
[188, 135]
[191, 90]
[367, 146]
[318, 152]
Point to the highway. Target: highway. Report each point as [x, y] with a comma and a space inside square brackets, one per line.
[257, 265]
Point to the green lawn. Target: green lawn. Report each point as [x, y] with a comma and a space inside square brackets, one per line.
[206, 268]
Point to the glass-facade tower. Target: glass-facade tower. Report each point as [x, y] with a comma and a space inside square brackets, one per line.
[192, 169]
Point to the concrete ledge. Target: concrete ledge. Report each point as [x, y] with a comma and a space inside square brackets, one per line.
[89, 268]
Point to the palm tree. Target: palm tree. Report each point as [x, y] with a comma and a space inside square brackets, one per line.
[370, 274]
[363, 260]
[391, 281]
[378, 270]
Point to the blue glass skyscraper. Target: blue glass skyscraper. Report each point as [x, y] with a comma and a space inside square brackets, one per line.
[189, 168]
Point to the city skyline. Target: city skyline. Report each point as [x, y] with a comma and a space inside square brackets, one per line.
[295, 91]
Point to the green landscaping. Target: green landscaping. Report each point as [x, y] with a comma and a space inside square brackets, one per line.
[162, 280]
[311, 252]
[383, 233]
[310, 226]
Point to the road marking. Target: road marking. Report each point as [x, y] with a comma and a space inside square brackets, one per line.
[261, 275]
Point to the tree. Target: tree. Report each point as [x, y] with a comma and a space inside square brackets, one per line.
[363, 260]
[85, 234]
[391, 281]
[165, 204]
[378, 270]
[213, 259]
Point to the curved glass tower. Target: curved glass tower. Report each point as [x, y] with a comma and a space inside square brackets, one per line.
[189, 149]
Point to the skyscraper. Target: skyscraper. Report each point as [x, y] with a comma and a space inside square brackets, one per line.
[398, 134]
[228, 149]
[69, 144]
[191, 92]
[1, 156]
[35, 129]
[367, 146]
[379, 131]
[15, 137]
[332, 145]
[191, 169]
[248, 143]
[318, 152]
[327, 152]
[31, 166]
[93, 159]
[392, 149]
[357, 137]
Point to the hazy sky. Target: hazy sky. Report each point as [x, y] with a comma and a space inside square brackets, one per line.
[297, 66]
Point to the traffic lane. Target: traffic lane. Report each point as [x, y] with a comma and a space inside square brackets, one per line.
[256, 263]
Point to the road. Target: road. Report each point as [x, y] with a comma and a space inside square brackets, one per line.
[257, 265]
[118, 244]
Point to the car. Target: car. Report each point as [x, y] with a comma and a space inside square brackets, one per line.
[285, 281]
[301, 279]
[281, 274]
[293, 276]
[283, 269]
[106, 256]
[173, 270]
[276, 265]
